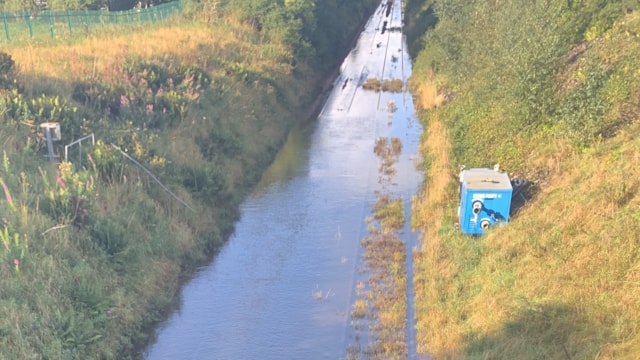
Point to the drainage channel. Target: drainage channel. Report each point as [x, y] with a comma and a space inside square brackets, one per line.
[283, 286]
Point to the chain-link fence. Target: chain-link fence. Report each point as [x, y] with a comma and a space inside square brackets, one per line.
[31, 25]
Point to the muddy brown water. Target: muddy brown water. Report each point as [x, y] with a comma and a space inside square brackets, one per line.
[283, 285]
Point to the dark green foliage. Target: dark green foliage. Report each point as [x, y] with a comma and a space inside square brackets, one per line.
[316, 31]
[421, 20]
[89, 295]
[502, 61]
[332, 35]
[108, 162]
[154, 75]
[211, 241]
[207, 182]
[110, 235]
[7, 71]
[582, 110]
[219, 142]
[290, 22]
[95, 95]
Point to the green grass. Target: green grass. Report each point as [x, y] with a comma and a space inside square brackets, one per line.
[560, 280]
[93, 251]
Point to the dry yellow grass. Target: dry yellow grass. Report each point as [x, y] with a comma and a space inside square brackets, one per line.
[587, 241]
[426, 95]
[92, 55]
[562, 279]
[566, 267]
[430, 268]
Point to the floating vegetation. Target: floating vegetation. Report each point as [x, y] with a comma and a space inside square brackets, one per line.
[393, 85]
[381, 304]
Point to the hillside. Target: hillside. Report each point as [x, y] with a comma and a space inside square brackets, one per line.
[186, 116]
[549, 90]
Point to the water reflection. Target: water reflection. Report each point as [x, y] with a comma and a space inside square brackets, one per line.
[282, 287]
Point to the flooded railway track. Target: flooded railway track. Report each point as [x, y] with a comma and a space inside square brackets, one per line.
[285, 284]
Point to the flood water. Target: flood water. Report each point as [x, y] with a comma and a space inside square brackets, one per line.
[283, 285]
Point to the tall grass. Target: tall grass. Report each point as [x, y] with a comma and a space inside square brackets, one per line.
[560, 281]
[93, 251]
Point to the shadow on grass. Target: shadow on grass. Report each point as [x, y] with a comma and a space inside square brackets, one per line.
[544, 331]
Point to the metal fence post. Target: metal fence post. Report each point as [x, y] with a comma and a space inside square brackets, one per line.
[28, 17]
[153, 14]
[6, 26]
[51, 24]
[69, 22]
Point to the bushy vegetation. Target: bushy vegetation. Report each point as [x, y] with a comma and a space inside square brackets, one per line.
[310, 28]
[548, 90]
[186, 117]
[516, 69]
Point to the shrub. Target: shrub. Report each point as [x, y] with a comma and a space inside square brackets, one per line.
[110, 235]
[7, 71]
[206, 182]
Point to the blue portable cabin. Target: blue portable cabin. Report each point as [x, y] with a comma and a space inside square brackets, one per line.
[485, 200]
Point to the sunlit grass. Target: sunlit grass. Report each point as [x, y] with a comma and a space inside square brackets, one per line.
[86, 57]
[108, 247]
[560, 281]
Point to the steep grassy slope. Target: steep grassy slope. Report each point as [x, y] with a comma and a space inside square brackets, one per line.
[186, 117]
[561, 280]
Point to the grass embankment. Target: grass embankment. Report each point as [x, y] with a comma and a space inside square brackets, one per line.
[561, 280]
[93, 251]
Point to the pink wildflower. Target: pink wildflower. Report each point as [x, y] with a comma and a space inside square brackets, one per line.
[61, 183]
[6, 192]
